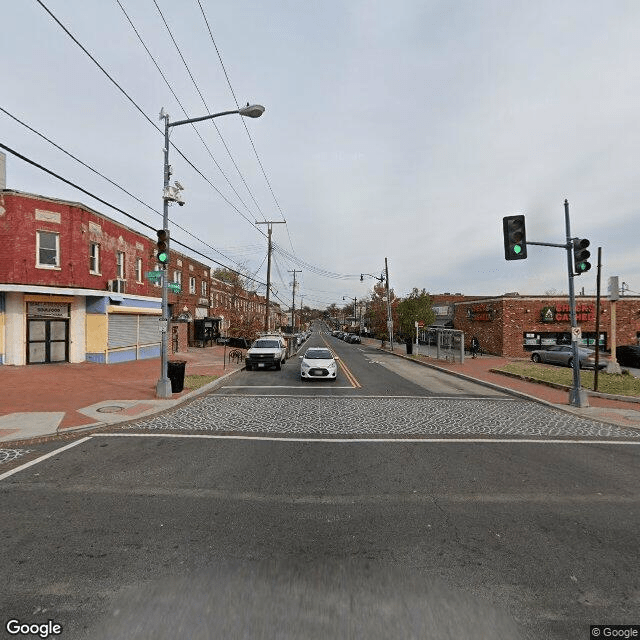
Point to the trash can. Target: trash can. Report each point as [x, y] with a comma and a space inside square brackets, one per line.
[175, 373]
[409, 344]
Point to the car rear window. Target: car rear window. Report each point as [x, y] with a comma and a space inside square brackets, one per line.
[266, 344]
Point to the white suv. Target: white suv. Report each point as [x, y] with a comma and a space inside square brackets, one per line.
[266, 351]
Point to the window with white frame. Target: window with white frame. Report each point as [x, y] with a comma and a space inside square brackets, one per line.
[157, 283]
[192, 285]
[94, 258]
[177, 277]
[138, 269]
[120, 264]
[48, 250]
[203, 289]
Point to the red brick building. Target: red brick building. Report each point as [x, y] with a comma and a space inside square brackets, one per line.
[513, 325]
[74, 287]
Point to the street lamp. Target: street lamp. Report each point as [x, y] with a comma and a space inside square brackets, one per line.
[163, 386]
[354, 307]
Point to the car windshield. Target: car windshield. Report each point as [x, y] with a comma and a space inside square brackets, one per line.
[266, 344]
[318, 354]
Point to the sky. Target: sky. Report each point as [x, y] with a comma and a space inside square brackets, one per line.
[402, 130]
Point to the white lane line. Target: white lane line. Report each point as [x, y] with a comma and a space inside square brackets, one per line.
[26, 465]
[381, 440]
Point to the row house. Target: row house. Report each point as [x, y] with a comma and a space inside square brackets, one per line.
[75, 286]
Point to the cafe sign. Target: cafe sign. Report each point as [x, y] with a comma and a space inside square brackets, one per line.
[562, 313]
[480, 313]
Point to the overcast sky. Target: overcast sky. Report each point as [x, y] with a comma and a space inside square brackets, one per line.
[403, 129]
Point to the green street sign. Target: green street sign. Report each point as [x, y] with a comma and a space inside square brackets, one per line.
[174, 286]
[153, 276]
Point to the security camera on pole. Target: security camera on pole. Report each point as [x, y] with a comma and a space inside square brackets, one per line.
[173, 194]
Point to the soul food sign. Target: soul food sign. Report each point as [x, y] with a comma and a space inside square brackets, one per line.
[561, 313]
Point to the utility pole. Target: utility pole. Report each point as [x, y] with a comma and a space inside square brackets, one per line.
[293, 304]
[267, 319]
[389, 316]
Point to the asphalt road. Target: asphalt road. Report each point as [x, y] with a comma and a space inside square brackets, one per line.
[182, 533]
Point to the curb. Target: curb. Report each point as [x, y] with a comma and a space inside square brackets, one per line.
[513, 392]
[562, 387]
[117, 423]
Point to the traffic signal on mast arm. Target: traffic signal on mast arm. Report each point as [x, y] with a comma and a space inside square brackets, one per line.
[163, 246]
[580, 256]
[515, 238]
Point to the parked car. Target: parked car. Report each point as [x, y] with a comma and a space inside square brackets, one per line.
[353, 338]
[318, 363]
[266, 351]
[628, 355]
[563, 354]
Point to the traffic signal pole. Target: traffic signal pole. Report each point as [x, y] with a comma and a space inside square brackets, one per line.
[577, 395]
[163, 386]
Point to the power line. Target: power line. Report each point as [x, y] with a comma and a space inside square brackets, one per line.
[108, 204]
[317, 270]
[142, 42]
[115, 184]
[146, 117]
[195, 84]
[255, 151]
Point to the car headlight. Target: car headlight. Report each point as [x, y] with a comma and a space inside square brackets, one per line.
[331, 366]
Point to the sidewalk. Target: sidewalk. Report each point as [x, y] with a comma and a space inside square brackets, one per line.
[41, 400]
[605, 409]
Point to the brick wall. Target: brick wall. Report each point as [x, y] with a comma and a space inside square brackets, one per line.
[501, 323]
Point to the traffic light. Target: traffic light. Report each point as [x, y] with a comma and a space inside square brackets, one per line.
[163, 246]
[580, 256]
[515, 238]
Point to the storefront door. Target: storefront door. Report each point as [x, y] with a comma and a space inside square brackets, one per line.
[48, 340]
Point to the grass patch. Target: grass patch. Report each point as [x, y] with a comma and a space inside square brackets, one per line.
[195, 382]
[620, 385]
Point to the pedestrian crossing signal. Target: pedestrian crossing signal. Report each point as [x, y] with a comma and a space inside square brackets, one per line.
[515, 238]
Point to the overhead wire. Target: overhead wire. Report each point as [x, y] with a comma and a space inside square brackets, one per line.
[317, 270]
[204, 102]
[233, 93]
[114, 207]
[112, 182]
[184, 111]
[145, 116]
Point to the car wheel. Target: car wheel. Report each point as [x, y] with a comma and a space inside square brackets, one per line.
[248, 367]
[278, 366]
[535, 357]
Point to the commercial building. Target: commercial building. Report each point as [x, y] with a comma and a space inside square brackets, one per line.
[514, 325]
[74, 287]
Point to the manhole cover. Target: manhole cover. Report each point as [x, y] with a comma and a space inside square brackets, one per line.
[110, 409]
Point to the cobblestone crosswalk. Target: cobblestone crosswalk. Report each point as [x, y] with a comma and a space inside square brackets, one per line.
[358, 416]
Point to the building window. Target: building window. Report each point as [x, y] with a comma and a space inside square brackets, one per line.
[139, 269]
[203, 289]
[48, 249]
[192, 285]
[94, 258]
[120, 264]
[177, 277]
[158, 282]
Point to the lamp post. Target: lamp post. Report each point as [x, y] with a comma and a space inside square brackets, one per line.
[354, 307]
[163, 386]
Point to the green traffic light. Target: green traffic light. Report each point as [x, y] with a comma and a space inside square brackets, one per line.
[162, 258]
[517, 249]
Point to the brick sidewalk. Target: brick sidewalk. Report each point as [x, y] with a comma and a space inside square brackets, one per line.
[69, 387]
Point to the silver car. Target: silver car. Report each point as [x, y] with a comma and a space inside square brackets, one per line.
[563, 354]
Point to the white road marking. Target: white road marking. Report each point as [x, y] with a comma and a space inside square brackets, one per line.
[26, 465]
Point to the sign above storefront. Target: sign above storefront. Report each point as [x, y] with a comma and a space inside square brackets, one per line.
[48, 309]
[562, 313]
